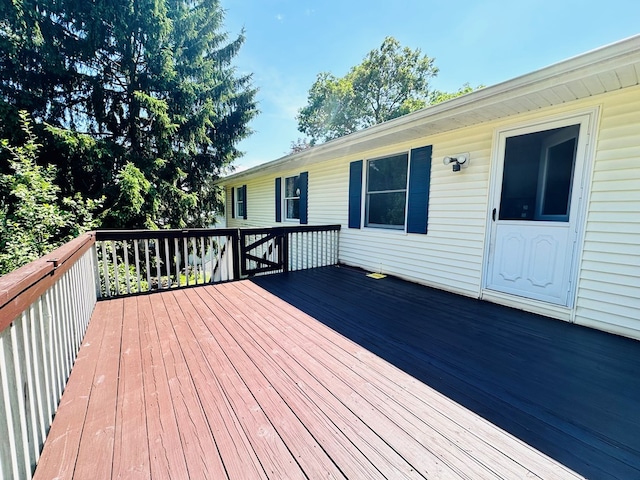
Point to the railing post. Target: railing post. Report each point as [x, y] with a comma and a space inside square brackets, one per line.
[236, 254]
[96, 270]
[285, 251]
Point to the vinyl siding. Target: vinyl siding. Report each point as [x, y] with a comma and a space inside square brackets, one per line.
[260, 200]
[451, 255]
[608, 294]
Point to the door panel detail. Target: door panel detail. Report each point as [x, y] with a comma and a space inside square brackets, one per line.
[544, 257]
[512, 265]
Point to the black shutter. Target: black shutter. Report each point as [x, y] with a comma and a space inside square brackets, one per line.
[419, 180]
[233, 202]
[304, 197]
[244, 195]
[278, 199]
[355, 193]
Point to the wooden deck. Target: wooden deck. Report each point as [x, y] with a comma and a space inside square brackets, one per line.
[329, 374]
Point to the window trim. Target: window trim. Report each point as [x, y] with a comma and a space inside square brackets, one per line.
[285, 198]
[366, 194]
[240, 213]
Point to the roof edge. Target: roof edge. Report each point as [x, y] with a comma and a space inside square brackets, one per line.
[572, 68]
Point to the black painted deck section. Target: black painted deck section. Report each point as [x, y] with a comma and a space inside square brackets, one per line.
[571, 392]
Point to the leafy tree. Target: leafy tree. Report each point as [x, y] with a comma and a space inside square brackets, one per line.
[438, 97]
[391, 81]
[34, 220]
[138, 95]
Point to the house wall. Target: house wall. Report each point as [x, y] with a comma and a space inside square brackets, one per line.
[451, 255]
[609, 285]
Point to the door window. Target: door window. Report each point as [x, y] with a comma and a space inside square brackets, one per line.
[538, 175]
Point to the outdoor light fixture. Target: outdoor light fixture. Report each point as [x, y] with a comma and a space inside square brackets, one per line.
[460, 160]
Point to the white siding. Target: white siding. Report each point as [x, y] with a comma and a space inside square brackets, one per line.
[328, 193]
[260, 203]
[451, 255]
[609, 285]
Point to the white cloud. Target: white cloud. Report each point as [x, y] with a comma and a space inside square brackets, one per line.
[279, 17]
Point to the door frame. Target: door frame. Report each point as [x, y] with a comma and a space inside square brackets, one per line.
[590, 118]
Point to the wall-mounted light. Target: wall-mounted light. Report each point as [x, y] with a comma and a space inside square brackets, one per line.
[460, 160]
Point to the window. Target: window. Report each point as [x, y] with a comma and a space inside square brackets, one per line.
[295, 200]
[240, 202]
[538, 175]
[386, 192]
[387, 188]
[292, 198]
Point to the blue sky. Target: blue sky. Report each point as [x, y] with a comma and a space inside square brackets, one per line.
[288, 42]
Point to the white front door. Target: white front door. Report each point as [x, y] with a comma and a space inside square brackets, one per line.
[534, 218]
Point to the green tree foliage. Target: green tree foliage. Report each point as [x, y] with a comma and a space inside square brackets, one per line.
[34, 220]
[438, 97]
[141, 101]
[391, 81]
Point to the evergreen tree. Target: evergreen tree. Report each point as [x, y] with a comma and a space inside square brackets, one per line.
[141, 100]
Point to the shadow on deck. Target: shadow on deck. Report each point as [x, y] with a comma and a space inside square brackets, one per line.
[571, 392]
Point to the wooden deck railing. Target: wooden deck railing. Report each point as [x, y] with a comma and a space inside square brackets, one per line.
[146, 260]
[46, 305]
[135, 261]
[45, 308]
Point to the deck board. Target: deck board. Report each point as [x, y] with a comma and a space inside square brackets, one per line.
[226, 362]
[164, 429]
[64, 439]
[344, 397]
[130, 455]
[95, 453]
[196, 434]
[328, 374]
[232, 442]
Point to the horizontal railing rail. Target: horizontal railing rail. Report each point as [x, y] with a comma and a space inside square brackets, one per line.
[45, 308]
